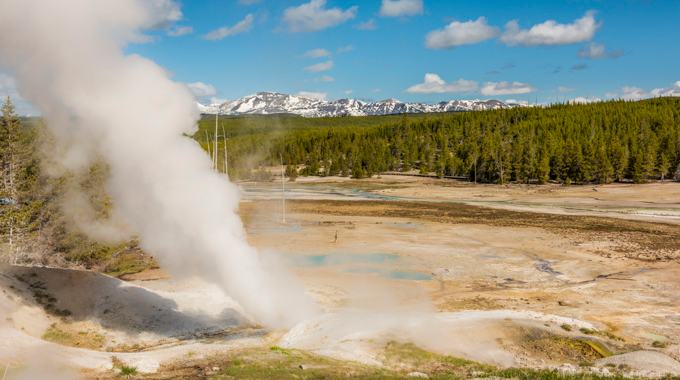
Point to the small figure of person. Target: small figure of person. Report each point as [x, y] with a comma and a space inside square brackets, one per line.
[663, 175]
[336, 237]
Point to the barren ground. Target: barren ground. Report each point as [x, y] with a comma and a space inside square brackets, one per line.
[503, 271]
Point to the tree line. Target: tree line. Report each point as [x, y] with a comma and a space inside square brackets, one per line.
[571, 143]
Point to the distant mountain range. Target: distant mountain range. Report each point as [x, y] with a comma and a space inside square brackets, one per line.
[266, 103]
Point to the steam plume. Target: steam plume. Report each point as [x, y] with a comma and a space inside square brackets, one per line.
[68, 57]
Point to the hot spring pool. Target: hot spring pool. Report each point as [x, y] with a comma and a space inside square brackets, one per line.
[359, 263]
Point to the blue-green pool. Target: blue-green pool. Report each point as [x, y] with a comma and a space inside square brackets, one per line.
[359, 263]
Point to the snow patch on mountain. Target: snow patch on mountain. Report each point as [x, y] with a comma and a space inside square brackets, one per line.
[267, 103]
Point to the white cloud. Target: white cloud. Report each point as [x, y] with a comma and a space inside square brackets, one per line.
[345, 49]
[162, 13]
[324, 78]
[637, 93]
[313, 95]
[242, 27]
[596, 50]
[312, 16]
[582, 100]
[249, 2]
[349, 92]
[8, 87]
[551, 33]
[180, 31]
[376, 90]
[317, 53]
[505, 88]
[524, 103]
[566, 89]
[672, 90]
[201, 89]
[460, 33]
[320, 67]
[433, 84]
[368, 25]
[397, 8]
[214, 100]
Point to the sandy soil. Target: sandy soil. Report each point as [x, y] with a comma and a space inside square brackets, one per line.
[498, 283]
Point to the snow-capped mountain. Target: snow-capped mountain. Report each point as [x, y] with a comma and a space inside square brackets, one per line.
[265, 103]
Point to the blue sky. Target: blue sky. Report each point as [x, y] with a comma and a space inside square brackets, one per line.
[422, 50]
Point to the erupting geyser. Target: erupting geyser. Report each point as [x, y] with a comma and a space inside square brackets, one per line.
[68, 58]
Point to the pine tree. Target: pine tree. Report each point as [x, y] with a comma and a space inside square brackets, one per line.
[12, 163]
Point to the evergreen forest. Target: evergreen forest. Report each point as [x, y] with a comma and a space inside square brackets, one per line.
[617, 140]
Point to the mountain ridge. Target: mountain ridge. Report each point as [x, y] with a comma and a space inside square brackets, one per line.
[266, 103]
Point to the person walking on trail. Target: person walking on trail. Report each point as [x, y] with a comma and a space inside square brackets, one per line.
[336, 237]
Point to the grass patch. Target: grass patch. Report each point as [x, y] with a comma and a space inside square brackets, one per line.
[566, 327]
[272, 365]
[132, 261]
[417, 359]
[282, 350]
[659, 344]
[601, 333]
[128, 370]
[55, 334]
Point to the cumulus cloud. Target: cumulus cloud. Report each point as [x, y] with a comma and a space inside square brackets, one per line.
[596, 50]
[398, 8]
[505, 88]
[433, 84]
[566, 89]
[242, 27]
[214, 100]
[8, 87]
[551, 33]
[200, 89]
[376, 90]
[177, 31]
[637, 93]
[349, 92]
[524, 103]
[317, 53]
[320, 67]
[324, 78]
[312, 16]
[313, 95]
[582, 100]
[345, 49]
[460, 33]
[368, 25]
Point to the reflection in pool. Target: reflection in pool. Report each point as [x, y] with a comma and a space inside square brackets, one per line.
[393, 274]
[356, 263]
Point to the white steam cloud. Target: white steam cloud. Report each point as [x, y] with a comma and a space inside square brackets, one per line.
[68, 60]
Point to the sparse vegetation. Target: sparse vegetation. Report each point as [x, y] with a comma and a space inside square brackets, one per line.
[566, 327]
[128, 370]
[55, 334]
[659, 344]
[601, 333]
